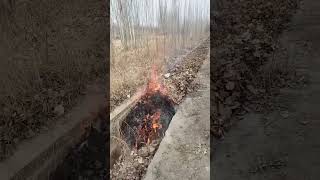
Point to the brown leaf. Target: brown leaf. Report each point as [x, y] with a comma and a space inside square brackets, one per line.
[226, 113]
[251, 89]
[229, 100]
[230, 85]
[59, 110]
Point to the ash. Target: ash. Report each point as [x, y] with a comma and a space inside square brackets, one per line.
[148, 104]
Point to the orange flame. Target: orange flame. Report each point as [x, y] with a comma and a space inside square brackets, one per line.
[149, 130]
[156, 121]
[154, 84]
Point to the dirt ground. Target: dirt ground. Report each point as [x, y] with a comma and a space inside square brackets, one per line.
[281, 144]
[49, 52]
[245, 70]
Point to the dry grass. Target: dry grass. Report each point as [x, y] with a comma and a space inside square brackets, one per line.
[130, 68]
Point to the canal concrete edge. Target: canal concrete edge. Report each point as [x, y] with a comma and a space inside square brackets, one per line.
[36, 158]
[184, 152]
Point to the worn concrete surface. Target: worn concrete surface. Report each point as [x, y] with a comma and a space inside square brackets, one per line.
[184, 151]
[283, 144]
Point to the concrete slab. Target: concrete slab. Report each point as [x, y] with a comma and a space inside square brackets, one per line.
[184, 151]
[116, 118]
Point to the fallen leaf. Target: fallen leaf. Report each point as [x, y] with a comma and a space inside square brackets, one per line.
[59, 110]
[230, 85]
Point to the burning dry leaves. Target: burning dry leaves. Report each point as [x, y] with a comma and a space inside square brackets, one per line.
[143, 129]
[245, 40]
[177, 84]
[150, 117]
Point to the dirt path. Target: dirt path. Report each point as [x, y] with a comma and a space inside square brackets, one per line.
[283, 144]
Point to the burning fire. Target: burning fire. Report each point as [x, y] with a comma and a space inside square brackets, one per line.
[154, 85]
[149, 130]
[156, 121]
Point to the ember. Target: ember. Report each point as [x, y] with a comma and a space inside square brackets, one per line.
[149, 119]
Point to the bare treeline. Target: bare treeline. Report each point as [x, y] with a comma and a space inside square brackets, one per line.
[180, 21]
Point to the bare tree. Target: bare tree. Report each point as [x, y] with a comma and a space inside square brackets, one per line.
[179, 22]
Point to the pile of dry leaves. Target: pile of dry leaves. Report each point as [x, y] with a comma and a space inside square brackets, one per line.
[179, 81]
[36, 91]
[244, 37]
[134, 166]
